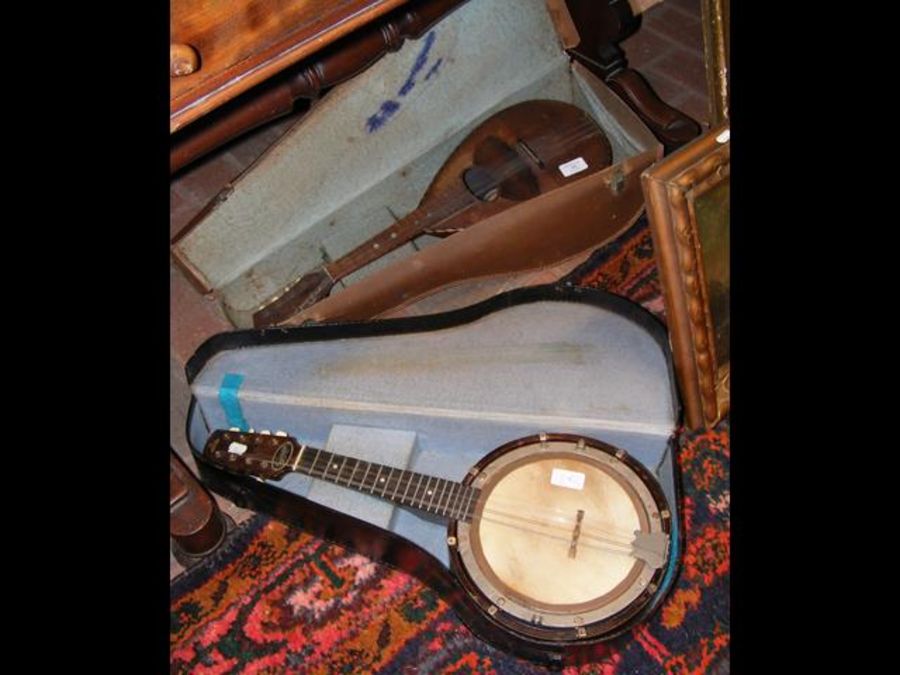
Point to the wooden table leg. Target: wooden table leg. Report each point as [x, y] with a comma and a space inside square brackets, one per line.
[602, 25]
[196, 525]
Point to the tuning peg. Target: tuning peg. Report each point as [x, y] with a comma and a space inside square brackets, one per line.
[234, 429]
[266, 432]
[281, 433]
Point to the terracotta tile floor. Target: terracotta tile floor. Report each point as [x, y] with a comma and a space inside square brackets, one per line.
[667, 50]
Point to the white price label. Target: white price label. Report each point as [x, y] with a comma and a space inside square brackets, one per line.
[573, 166]
[567, 479]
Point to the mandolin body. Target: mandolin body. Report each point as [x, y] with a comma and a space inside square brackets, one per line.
[554, 131]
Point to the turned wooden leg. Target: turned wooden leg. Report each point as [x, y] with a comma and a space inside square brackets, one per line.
[602, 25]
[671, 126]
[196, 524]
[305, 81]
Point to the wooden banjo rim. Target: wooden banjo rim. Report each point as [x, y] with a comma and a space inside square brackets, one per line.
[605, 628]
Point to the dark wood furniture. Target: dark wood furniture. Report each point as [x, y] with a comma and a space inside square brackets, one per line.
[241, 44]
[237, 66]
[602, 25]
[196, 525]
[361, 32]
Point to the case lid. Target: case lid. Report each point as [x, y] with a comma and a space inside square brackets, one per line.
[534, 359]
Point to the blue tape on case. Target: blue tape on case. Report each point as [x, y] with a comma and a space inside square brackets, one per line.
[228, 397]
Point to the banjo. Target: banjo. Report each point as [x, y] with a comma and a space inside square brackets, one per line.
[556, 539]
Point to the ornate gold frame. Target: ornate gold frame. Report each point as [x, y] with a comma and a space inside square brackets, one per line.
[717, 49]
[672, 188]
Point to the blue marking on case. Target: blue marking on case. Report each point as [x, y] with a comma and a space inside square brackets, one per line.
[419, 63]
[387, 109]
[376, 121]
[434, 69]
[228, 398]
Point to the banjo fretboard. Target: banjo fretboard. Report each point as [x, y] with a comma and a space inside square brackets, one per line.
[427, 493]
[272, 456]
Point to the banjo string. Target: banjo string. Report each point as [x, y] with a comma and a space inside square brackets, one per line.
[553, 519]
[608, 543]
[566, 527]
[616, 549]
[563, 517]
[627, 538]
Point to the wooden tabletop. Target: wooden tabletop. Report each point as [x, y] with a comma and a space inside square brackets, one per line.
[240, 43]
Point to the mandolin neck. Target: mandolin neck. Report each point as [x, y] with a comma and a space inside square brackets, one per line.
[426, 493]
[426, 217]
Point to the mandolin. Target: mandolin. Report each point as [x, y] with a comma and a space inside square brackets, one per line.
[555, 540]
[517, 154]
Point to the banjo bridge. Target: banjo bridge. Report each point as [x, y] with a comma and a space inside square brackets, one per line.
[573, 545]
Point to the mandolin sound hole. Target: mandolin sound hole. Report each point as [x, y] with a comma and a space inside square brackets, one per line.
[499, 171]
[481, 183]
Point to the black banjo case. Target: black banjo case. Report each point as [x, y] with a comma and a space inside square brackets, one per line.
[435, 394]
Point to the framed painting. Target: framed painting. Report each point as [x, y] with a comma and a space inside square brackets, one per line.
[688, 199]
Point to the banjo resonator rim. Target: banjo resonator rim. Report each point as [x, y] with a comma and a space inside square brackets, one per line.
[565, 624]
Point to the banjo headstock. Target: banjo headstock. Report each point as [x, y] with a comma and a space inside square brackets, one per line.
[262, 455]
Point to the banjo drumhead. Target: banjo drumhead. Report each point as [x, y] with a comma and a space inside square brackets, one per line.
[564, 534]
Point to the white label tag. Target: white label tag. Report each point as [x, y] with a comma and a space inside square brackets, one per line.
[567, 479]
[573, 166]
[237, 448]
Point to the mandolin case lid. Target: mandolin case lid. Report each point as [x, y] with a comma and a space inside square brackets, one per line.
[366, 153]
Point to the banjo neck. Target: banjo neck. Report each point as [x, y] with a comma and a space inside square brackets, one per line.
[426, 493]
[264, 455]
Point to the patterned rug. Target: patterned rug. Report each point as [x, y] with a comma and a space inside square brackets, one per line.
[278, 600]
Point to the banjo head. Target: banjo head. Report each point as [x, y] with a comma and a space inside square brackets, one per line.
[568, 541]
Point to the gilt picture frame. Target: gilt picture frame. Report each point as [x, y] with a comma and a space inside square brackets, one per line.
[688, 198]
[717, 56]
